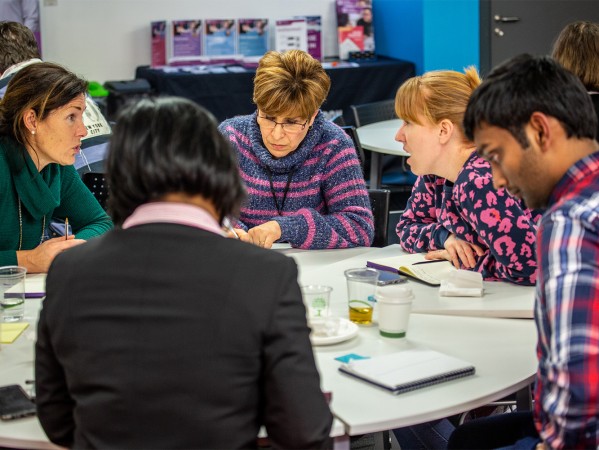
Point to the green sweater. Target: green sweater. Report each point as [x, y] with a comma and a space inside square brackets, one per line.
[55, 192]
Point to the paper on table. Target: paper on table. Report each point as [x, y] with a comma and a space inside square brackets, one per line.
[35, 285]
[408, 370]
[462, 283]
[9, 332]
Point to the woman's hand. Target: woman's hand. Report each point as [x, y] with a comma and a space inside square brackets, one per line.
[39, 259]
[263, 235]
[458, 252]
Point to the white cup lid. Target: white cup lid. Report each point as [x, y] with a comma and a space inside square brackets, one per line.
[394, 294]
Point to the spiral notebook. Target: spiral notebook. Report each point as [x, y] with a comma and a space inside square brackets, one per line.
[408, 370]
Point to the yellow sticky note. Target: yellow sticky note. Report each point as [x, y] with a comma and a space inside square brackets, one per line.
[11, 331]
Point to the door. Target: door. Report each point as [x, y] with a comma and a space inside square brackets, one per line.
[511, 27]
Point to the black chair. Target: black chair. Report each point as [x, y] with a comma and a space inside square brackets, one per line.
[96, 183]
[339, 120]
[379, 202]
[373, 112]
[353, 134]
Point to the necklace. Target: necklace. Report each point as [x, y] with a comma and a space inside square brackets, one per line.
[272, 190]
[21, 227]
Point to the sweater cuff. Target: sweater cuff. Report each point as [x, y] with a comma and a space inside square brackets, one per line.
[440, 235]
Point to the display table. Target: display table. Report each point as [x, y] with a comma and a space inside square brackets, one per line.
[229, 94]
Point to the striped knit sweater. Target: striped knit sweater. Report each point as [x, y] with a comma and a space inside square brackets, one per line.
[326, 206]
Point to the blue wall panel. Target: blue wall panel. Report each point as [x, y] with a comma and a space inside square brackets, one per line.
[434, 34]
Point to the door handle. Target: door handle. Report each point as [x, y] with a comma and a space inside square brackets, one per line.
[502, 19]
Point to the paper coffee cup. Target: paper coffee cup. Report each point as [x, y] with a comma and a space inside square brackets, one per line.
[394, 304]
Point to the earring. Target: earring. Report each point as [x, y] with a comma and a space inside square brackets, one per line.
[310, 127]
[32, 131]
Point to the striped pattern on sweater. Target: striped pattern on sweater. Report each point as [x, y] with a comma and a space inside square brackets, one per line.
[327, 205]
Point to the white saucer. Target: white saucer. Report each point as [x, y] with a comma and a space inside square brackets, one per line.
[346, 331]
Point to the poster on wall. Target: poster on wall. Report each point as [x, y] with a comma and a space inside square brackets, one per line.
[355, 30]
[291, 34]
[220, 37]
[186, 40]
[253, 37]
[158, 29]
[314, 35]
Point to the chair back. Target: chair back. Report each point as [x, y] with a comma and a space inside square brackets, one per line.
[379, 202]
[353, 134]
[339, 120]
[373, 112]
[96, 183]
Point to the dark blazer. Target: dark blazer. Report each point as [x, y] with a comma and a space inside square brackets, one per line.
[595, 99]
[167, 336]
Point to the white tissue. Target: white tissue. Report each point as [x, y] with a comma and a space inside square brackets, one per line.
[462, 283]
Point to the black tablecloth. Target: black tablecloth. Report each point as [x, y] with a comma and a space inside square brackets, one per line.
[230, 94]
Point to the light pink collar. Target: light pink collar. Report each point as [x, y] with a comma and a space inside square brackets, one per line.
[171, 212]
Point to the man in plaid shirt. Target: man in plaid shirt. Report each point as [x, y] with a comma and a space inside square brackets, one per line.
[535, 123]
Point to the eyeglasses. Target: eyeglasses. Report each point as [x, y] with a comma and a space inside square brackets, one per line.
[288, 127]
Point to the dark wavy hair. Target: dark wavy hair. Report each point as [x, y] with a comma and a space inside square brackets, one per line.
[170, 145]
[42, 87]
[525, 84]
[17, 44]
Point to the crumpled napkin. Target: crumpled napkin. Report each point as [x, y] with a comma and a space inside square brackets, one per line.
[462, 283]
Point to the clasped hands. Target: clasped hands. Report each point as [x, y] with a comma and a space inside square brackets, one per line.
[460, 253]
[263, 235]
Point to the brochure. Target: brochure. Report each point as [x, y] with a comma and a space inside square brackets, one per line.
[253, 37]
[291, 34]
[220, 37]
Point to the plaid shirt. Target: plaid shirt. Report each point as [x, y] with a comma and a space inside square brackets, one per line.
[567, 311]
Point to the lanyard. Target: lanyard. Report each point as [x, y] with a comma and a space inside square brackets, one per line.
[272, 190]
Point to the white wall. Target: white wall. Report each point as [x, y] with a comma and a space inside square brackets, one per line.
[107, 39]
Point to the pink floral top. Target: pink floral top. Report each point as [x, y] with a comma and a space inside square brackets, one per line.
[475, 212]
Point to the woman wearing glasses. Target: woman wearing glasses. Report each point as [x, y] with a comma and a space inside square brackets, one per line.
[303, 177]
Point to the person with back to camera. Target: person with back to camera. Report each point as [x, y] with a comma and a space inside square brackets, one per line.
[18, 49]
[454, 212]
[542, 147]
[164, 333]
[41, 127]
[577, 49]
[302, 172]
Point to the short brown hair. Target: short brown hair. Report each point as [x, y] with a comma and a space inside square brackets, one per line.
[292, 81]
[42, 87]
[17, 44]
[577, 49]
[437, 95]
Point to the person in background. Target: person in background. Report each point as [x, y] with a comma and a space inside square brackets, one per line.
[164, 333]
[542, 147]
[454, 212]
[25, 12]
[18, 49]
[577, 49]
[302, 172]
[41, 127]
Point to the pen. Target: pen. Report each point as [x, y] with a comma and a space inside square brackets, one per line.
[229, 227]
[66, 228]
[429, 262]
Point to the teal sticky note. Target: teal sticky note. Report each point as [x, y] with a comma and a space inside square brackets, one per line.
[349, 357]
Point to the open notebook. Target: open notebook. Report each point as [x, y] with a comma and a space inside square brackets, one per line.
[415, 267]
[408, 370]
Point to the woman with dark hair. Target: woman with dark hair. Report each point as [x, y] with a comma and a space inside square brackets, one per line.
[577, 49]
[167, 293]
[41, 127]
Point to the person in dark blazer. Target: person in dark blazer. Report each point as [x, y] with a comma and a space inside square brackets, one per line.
[165, 333]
